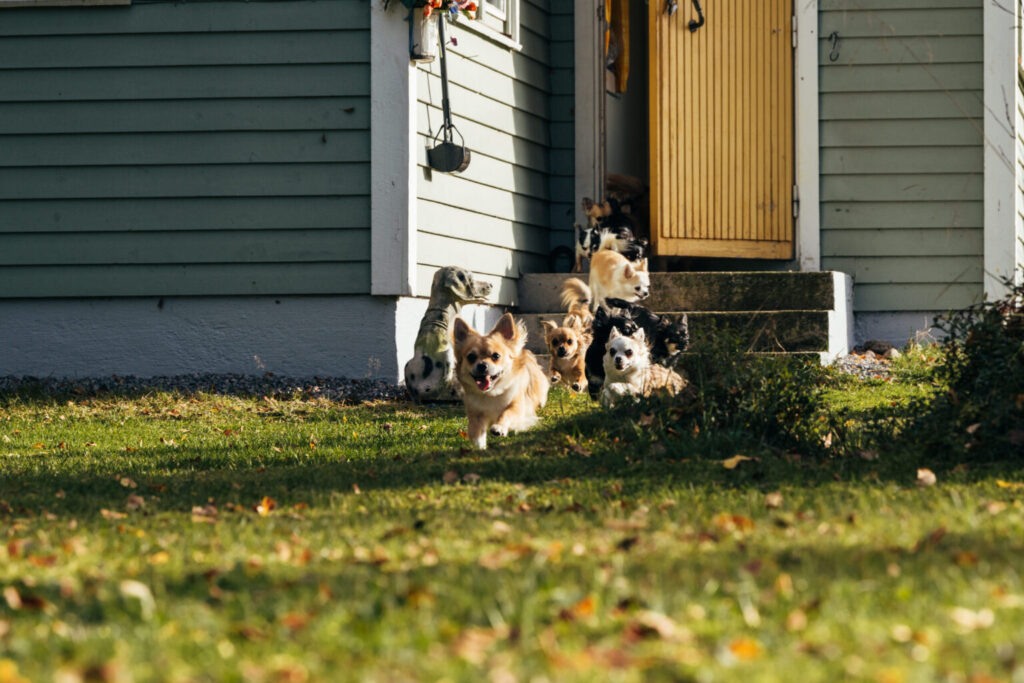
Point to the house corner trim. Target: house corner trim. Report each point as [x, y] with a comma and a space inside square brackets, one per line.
[392, 155]
[808, 223]
[1000, 134]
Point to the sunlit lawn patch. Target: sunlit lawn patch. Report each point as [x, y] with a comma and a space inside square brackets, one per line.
[219, 538]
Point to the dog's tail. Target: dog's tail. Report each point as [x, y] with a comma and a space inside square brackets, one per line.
[575, 294]
[609, 240]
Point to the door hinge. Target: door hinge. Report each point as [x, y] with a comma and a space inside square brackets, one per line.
[796, 201]
[793, 30]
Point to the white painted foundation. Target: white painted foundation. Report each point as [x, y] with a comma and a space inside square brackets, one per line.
[351, 336]
[896, 328]
[326, 336]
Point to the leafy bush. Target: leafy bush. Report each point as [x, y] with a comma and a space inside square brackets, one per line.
[741, 400]
[981, 414]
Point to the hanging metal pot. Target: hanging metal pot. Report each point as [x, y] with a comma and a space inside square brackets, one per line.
[446, 156]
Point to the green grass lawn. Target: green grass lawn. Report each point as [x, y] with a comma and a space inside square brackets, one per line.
[219, 538]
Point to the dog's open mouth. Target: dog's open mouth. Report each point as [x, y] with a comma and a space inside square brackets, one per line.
[486, 382]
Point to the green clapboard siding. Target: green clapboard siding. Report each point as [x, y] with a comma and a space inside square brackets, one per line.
[190, 148]
[495, 218]
[902, 151]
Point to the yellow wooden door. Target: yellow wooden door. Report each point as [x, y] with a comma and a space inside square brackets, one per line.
[721, 109]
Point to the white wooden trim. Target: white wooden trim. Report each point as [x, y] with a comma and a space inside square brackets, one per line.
[806, 154]
[392, 154]
[1000, 83]
[589, 102]
[479, 27]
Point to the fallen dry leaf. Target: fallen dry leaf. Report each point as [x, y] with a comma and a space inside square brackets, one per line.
[727, 522]
[472, 644]
[1009, 484]
[578, 450]
[773, 500]
[925, 477]
[112, 514]
[450, 477]
[647, 624]
[265, 506]
[160, 557]
[12, 597]
[797, 620]
[295, 621]
[135, 502]
[745, 649]
[965, 558]
[503, 556]
[471, 478]
[128, 483]
[584, 608]
[995, 507]
[734, 461]
[970, 620]
[43, 561]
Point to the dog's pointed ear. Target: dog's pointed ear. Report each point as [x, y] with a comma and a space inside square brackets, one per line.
[460, 332]
[628, 272]
[588, 204]
[573, 322]
[506, 327]
[615, 334]
[643, 266]
[548, 326]
[640, 335]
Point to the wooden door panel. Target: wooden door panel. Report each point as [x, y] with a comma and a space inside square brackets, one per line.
[721, 108]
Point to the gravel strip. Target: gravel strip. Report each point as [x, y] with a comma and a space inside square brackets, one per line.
[333, 388]
[865, 366]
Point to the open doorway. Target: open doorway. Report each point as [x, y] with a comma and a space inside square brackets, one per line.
[705, 117]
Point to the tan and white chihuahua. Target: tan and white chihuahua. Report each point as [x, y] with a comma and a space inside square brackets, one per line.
[502, 384]
[614, 276]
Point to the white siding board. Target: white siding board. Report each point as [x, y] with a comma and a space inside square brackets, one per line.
[459, 223]
[501, 175]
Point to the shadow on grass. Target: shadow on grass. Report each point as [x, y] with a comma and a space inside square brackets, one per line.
[592, 446]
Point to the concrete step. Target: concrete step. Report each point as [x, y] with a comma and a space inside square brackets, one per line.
[710, 291]
[762, 331]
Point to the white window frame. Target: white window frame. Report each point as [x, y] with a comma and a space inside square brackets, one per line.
[497, 25]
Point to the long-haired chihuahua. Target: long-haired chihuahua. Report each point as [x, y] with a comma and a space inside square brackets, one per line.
[503, 386]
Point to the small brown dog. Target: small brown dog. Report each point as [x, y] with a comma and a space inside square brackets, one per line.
[503, 385]
[568, 346]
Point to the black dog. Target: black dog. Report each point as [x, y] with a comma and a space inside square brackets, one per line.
[607, 217]
[668, 337]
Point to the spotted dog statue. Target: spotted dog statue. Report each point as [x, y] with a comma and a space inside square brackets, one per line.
[429, 376]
